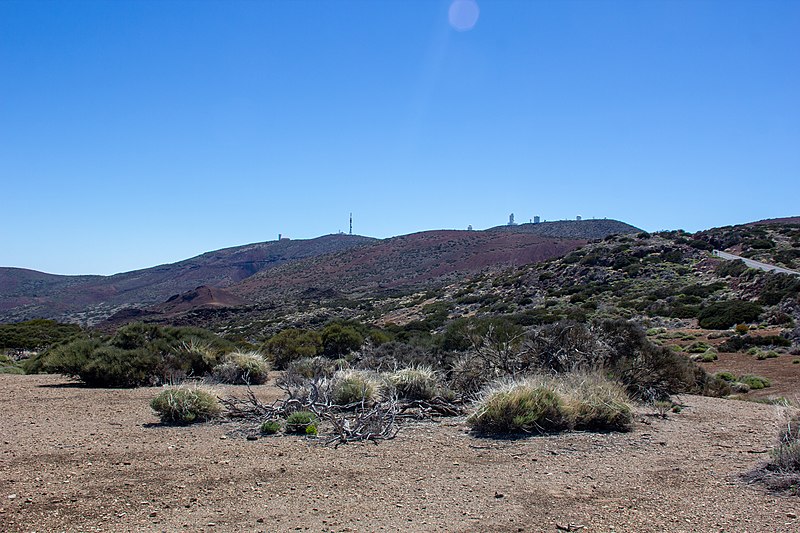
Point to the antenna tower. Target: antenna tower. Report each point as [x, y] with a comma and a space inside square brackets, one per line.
[351, 223]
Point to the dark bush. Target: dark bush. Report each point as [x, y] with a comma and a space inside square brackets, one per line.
[292, 344]
[702, 291]
[743, 342]
[138, 354]
[733, 269]
[778, 286]
[338, 340]
[35, 334]
[723, 315]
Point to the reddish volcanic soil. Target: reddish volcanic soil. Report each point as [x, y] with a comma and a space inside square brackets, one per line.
[77, 459]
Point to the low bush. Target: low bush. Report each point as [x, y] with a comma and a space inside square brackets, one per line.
[755, 382]
[185, 405]
[414, 383]
[299, 422]
[137, 354]
[315, 367]
[725, 376]
[270, 427]
[697, 347]
[292, 344]
[723, 315]
[706, 357]
[36, 334]
[766, 355]
[731, 268]
[242, 368]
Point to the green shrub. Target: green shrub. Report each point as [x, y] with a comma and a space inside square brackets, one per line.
[722, 315]
[766, 355]
[185, 405]
[742, 329]
[731, 268]
[100, 365]
[270, 427]
[414, 383]
[697, 347]
[354, 386]
[778, 286]
[468, 375]
[339, 339]
[707, 356]
[755, 382]
[138, 354]
[298, 422]
[242, 368]
[36, 334]
[725, 376]
[734, 344]
[292, 344]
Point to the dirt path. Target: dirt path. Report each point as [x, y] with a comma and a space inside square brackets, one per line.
[90, 460]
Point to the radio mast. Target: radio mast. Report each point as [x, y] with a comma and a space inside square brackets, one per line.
[351, 223]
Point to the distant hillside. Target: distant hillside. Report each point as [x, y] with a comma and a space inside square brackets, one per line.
[406, 262]
[573, 229]
[325, 268]
[29, 294]
[792, 221]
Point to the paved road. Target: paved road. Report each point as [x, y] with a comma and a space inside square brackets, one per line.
[755, 264]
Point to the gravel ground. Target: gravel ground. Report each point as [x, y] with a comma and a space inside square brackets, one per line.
[78, 459]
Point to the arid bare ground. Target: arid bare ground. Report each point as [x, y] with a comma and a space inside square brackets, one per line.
[77, 459]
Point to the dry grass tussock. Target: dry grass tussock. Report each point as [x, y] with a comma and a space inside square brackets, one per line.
[242, 368]
[350, 387]
[414, 382]
[781, 473]
[545, 403]
[186, 404]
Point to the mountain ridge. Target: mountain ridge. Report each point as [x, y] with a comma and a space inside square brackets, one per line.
[337, 262]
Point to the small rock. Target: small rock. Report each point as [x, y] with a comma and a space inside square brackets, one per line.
[498, 495]
[153, 514]
[224, 437]
[791, 515]
[12, 496]
[252, 437]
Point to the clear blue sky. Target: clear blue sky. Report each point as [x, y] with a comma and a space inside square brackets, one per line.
[139, 133]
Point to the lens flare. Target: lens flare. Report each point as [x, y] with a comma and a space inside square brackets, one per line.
[463, 14]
